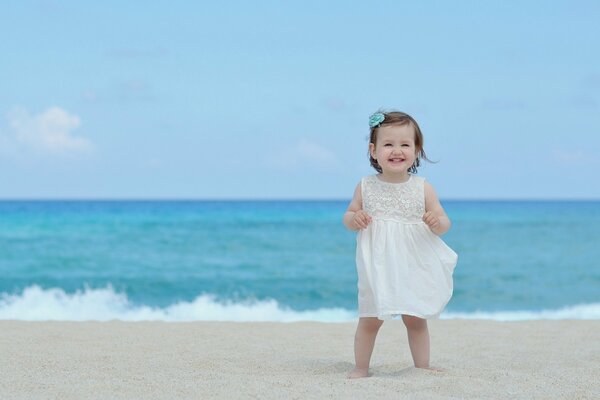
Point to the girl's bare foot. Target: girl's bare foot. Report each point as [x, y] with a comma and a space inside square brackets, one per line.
[358, 373]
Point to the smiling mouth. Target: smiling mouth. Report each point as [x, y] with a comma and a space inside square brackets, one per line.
[396, 159]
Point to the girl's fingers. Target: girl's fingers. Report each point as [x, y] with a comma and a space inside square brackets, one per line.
[362, 220]
[359, 221]
[430, 219]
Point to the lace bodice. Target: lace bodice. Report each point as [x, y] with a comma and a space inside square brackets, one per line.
[403, 202]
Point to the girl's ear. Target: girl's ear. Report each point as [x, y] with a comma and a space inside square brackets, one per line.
[372, 150]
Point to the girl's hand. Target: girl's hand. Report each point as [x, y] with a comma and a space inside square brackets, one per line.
[361, 219]
[431, 220]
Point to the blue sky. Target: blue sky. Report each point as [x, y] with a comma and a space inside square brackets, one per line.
[267, 99]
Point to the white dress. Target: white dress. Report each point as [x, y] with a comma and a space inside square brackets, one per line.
[403, 267]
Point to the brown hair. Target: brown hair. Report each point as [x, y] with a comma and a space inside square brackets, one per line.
[399, 118]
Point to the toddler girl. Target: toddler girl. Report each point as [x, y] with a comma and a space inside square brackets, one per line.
[403, 267]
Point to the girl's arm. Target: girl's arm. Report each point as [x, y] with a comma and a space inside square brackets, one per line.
[355, 218]
[435, 217]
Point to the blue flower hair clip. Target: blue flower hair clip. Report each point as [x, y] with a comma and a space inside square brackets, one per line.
[376, 119]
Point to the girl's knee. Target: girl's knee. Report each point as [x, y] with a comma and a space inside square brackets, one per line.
[414, 323]
[370, 324]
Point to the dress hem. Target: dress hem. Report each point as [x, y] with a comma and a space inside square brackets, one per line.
[391, 314]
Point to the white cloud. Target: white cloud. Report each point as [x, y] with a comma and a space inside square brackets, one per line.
[49, 131]
[575, 157]
[312, 151]
[90, 95]
[304, 153]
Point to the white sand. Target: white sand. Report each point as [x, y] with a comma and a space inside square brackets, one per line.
[205, 360]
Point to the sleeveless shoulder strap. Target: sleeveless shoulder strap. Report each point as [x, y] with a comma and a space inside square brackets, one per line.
[362, 189]
[420, 180]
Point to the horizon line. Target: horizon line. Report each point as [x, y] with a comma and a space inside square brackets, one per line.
[280, 199]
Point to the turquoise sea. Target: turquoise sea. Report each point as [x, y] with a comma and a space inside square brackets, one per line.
[279, 260]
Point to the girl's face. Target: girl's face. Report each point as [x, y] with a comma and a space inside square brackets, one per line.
[395, 150]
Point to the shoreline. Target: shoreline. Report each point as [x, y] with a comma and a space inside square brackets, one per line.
[131, 360]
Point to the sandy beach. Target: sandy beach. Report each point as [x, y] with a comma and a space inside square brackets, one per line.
[205, 360]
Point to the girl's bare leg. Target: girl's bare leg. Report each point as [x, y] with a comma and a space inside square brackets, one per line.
[418, 340]
[364, 341]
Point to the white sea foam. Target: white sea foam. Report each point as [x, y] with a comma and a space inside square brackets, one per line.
[103, 304]
[578, 311]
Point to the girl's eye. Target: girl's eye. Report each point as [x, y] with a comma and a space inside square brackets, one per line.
[405, 145]
[387, 145]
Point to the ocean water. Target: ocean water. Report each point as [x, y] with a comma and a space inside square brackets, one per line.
[279, 260]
